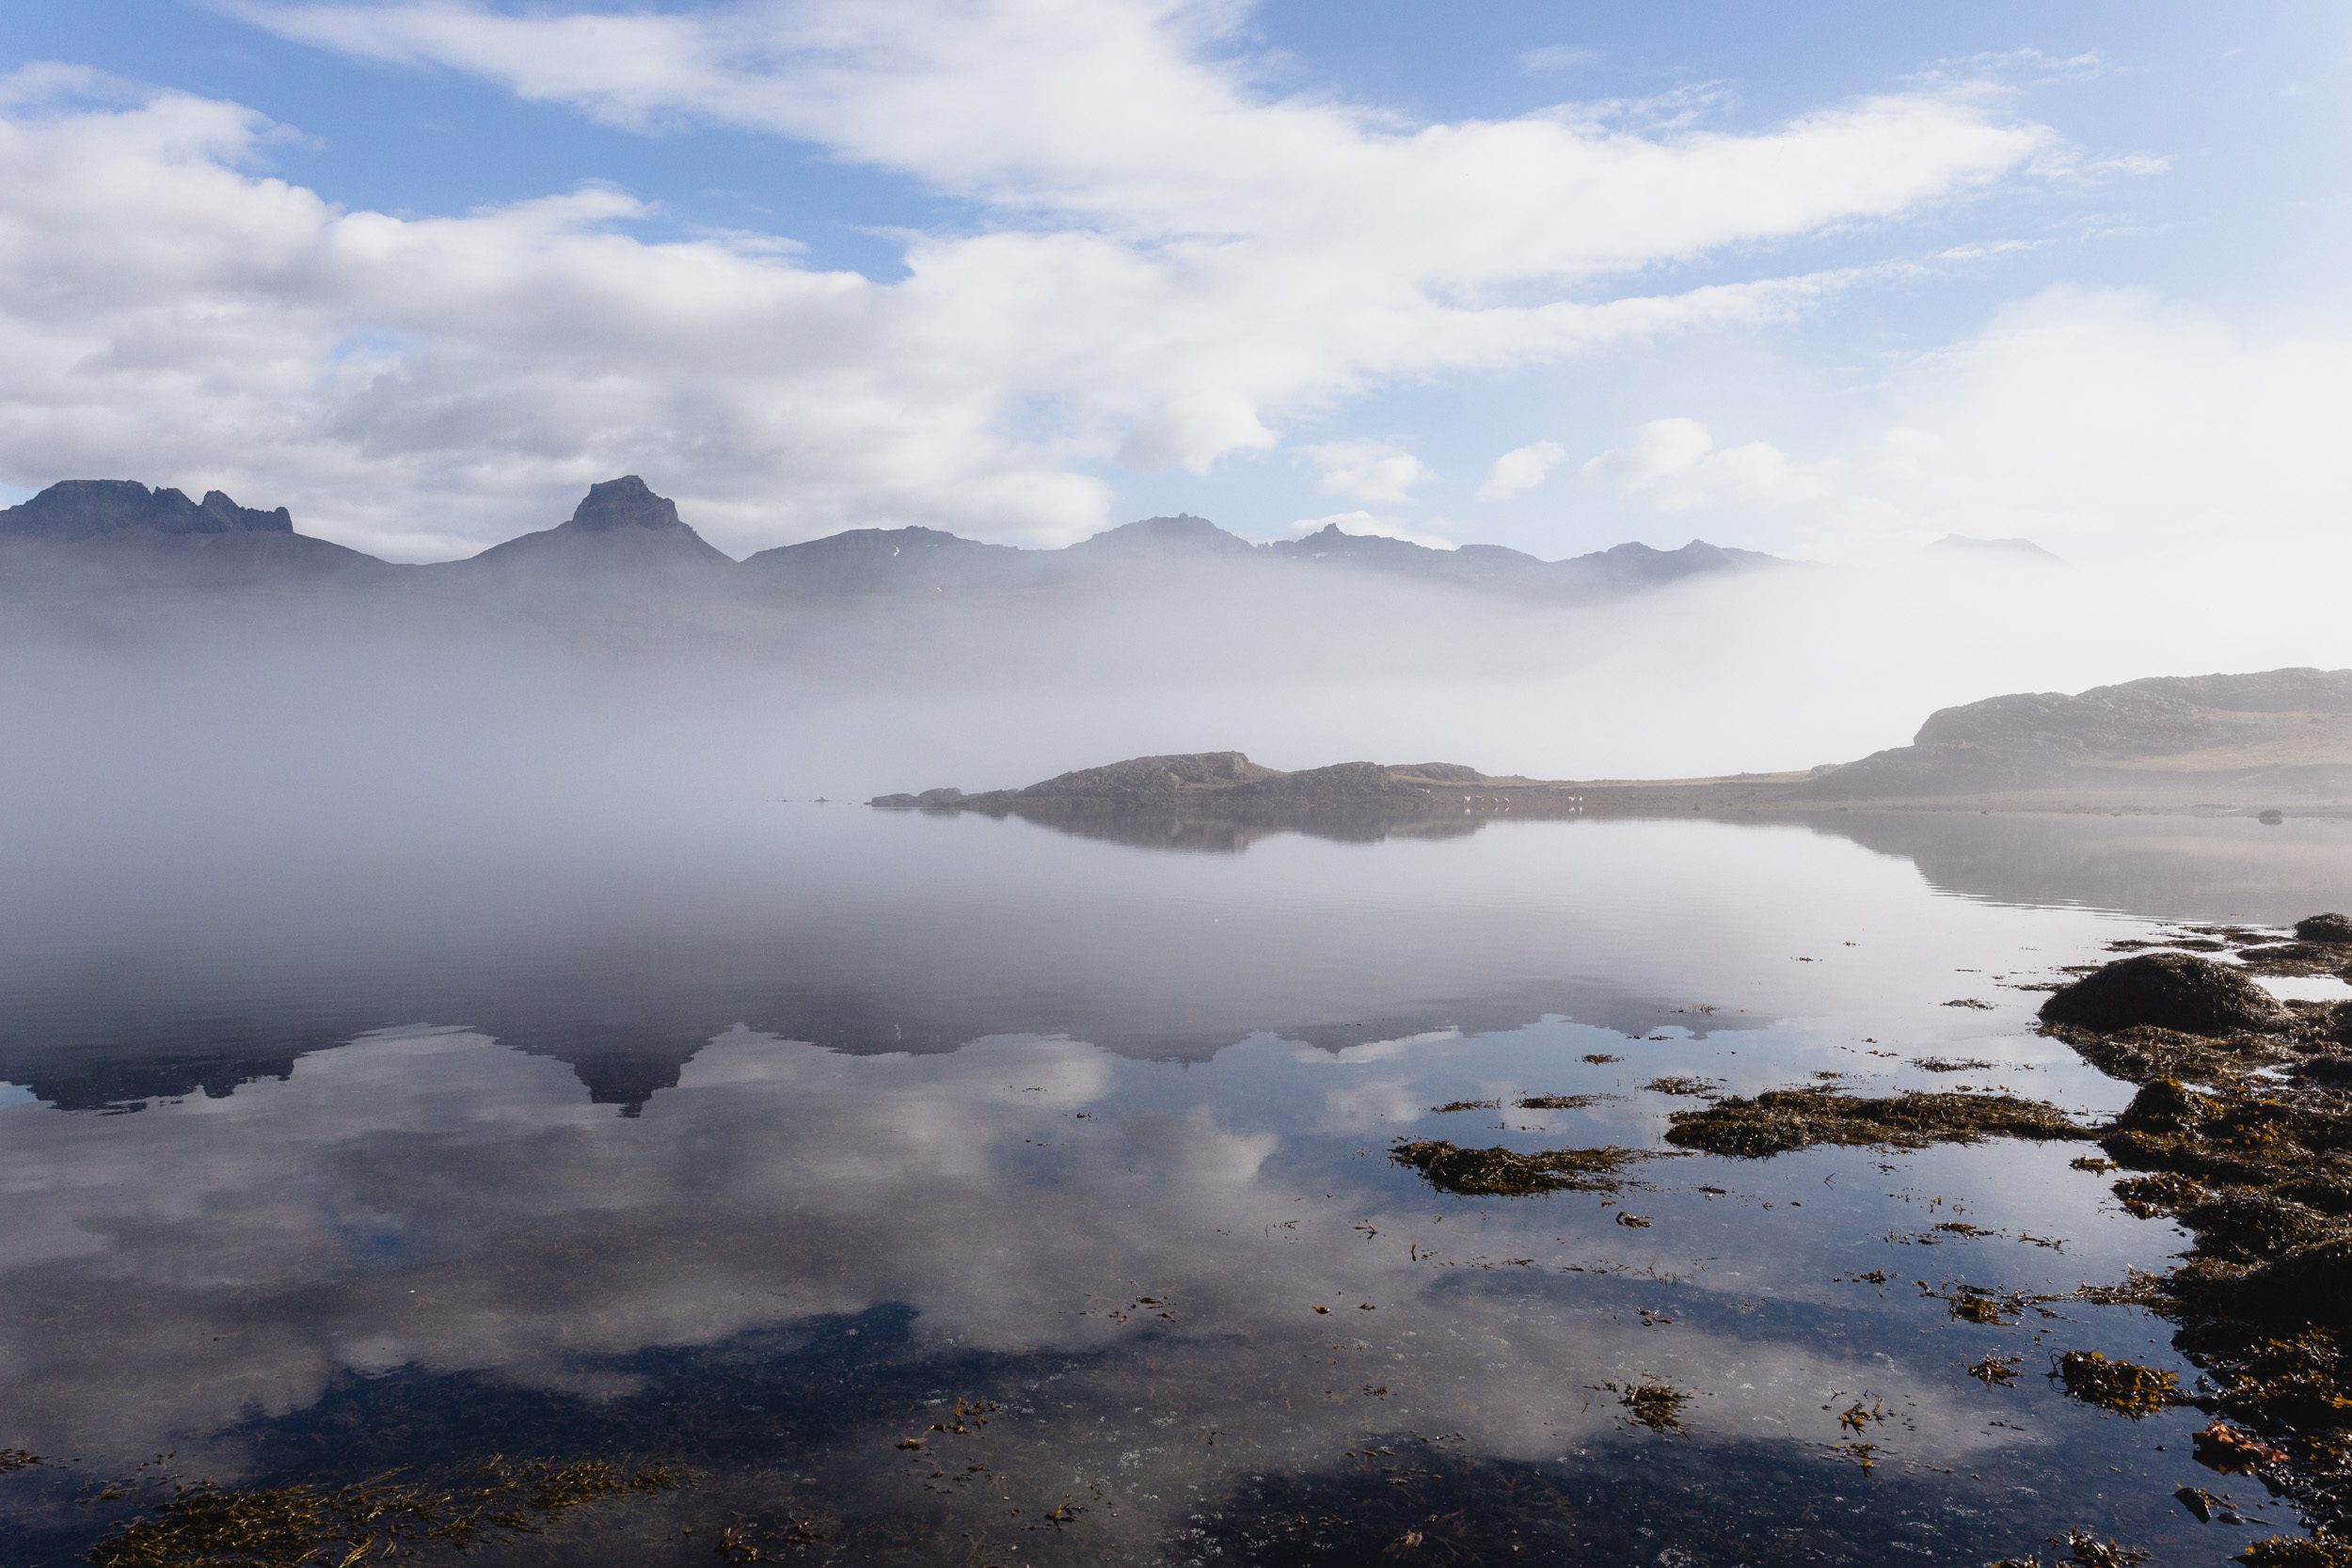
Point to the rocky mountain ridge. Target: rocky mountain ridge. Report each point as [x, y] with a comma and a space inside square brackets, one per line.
[623, 530]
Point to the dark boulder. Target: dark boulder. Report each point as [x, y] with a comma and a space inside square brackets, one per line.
[2311, 1285]
[2169, 990]
[2167, 1105]
[2332, 930]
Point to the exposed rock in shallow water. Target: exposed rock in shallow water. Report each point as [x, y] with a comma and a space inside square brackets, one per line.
[1779, 1120]
[2167, 990]
[2335, 929]
[1507, 1172]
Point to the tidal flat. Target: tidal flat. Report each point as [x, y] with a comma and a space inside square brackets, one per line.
[861, 1187]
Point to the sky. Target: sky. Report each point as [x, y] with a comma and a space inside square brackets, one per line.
[1830, 281]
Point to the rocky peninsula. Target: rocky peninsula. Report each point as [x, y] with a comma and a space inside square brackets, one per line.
[2275, 740]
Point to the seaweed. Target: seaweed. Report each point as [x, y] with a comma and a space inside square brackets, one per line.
[1698, 1088]
[2083, 1549]
[1779, 1120]
[2293, 958]
[2123, 1387]
[1655, 1405]
[2299, 1551]
[1508, 1173]
[202, 1526]
[1559, 1102]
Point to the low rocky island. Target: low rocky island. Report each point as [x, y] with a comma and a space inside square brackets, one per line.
[2271, 741]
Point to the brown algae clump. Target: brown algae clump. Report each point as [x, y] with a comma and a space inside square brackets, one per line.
[2123, 1387]
[2084, 1549]
[1559, 1102]
[1779, 1120]
[1695, 1088]
[2296, 1551]
[270, 1526]
[1508, 1173]
[1655, 1405]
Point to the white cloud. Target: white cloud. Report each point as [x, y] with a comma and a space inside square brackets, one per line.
[1521, 469]
[2097, 422]
[1171, 263]
[1373, 526]
[1366, 471]
[1675, 465]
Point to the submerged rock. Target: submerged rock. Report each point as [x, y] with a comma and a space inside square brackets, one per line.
[2167, 990]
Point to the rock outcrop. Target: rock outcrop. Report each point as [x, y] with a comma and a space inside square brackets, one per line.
[88, 508]
[621, 532]
[2166, 991]
[2288, 729]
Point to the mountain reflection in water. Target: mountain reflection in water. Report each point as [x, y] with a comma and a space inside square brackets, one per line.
[760, 1160]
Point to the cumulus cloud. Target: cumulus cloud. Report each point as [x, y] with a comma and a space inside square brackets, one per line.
[1521, 469]
[1678, 466]
[1367, 470]
[1171, 263]
[2097, 422]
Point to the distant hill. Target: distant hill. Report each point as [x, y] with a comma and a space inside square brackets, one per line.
[2280, 731]
[1229, 784]
[624, 538]
[2279, 737]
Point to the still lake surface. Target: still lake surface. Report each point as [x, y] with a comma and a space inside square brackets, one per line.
[753, 1145]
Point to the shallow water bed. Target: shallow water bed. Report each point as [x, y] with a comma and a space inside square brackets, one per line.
[1109, 1260]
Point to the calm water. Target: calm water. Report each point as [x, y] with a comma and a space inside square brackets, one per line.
[755, 1144]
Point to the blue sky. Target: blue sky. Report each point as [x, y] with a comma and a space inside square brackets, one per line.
[1829, 279]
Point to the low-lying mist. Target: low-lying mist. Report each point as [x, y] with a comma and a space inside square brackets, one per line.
[256, 726]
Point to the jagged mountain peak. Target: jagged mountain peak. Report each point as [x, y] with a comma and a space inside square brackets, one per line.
[84, 508]
[627, 502]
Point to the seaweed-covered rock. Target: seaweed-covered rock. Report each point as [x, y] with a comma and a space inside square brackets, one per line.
[2333, 929]
[2242, 1226]
[2312, 1284]
[2165, 1105]
[1779, 1120]
[2171, 991]
[1508, 1173]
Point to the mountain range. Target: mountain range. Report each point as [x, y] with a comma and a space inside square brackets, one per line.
[100, 533]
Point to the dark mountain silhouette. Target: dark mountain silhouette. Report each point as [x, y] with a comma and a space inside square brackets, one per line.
[118, 530]
[624, 535]
[1183, 536]
[84, 508]
[621, 529]
[870, 561]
